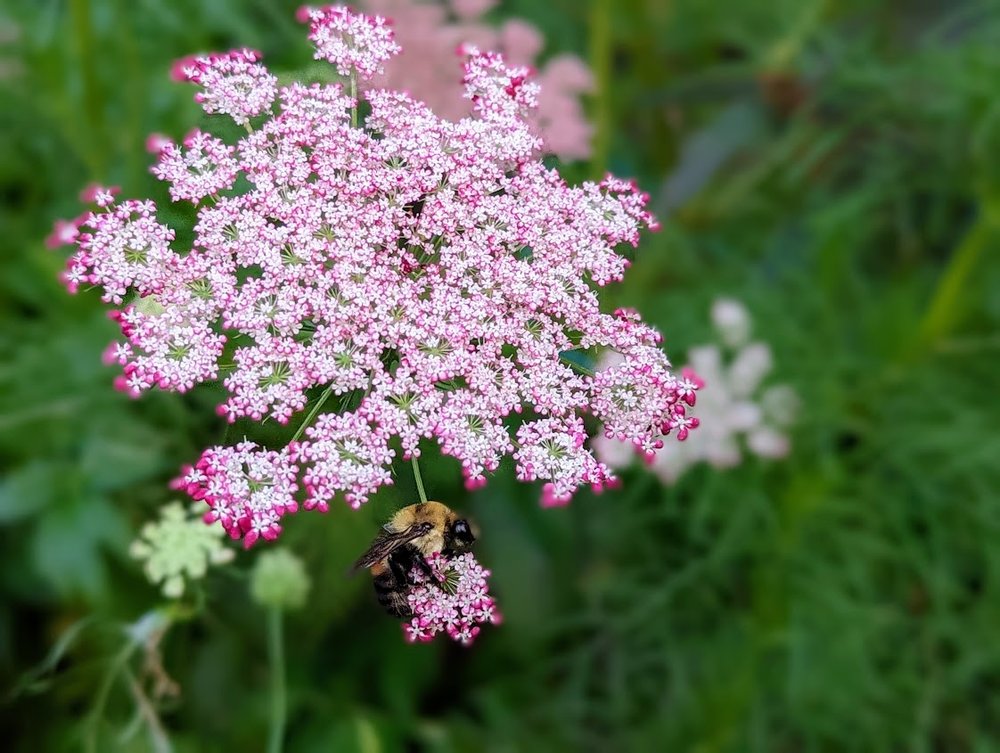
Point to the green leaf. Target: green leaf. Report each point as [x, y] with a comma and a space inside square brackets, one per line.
[68, 544]
[37, 679]
[27, 490]
[117, 460]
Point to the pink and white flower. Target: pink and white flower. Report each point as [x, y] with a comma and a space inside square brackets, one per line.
[203, 168]
[351, 41]
[247, 488]
[376, 284]
[455, 600]
[429, 31]
[233, 84]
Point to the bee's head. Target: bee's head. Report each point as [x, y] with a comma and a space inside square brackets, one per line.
[460, 536]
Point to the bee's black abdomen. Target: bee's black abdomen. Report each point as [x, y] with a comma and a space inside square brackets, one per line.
[396, 604]
[393, 585]
[391, 594]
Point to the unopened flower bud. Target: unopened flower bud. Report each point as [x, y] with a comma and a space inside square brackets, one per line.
[279, 580]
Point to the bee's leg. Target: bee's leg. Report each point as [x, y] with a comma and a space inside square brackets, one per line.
[399, 569]
[403, 561]
[421, 562]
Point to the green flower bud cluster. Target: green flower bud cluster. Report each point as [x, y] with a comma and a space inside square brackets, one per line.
[279, 580]
[179, 546]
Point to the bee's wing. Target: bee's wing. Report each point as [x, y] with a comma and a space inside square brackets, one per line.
[387, 542]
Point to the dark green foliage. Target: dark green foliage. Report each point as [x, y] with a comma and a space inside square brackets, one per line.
[834, 165]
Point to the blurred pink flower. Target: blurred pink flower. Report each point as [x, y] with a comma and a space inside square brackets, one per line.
[430, 32]
[157, 142]
[64, 232]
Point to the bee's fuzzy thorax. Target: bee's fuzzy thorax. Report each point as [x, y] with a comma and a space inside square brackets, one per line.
[431, 543]
[437, 514]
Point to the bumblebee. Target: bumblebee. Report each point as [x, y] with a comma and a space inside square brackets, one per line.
[414, 533]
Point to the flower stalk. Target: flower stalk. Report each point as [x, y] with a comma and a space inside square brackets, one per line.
[307, 422]
[354, 99]
[279, 693]
[418, 478]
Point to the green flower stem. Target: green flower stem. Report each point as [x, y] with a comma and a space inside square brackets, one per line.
[279, 696]
[417, 477]
[92, 724]
[312, 414]
[354, 97]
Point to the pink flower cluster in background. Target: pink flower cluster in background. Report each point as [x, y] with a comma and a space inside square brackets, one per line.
[418, 278]
[456, 602]
[733, 408]
[430, 31]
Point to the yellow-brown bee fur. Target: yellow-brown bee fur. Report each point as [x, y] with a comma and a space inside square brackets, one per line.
[440, 516]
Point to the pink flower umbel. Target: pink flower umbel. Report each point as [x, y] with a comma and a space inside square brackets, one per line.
[247, 488]
[456, 601]
[233, 84]
[374, 280]
[203, 168]
[351, 41]
[429, 31]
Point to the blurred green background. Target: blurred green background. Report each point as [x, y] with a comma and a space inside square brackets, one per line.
[835, 165]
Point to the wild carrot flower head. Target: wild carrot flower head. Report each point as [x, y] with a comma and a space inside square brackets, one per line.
[377, 281]
[455, 600]
[279, 580]
[232, 84]
[351, 41]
